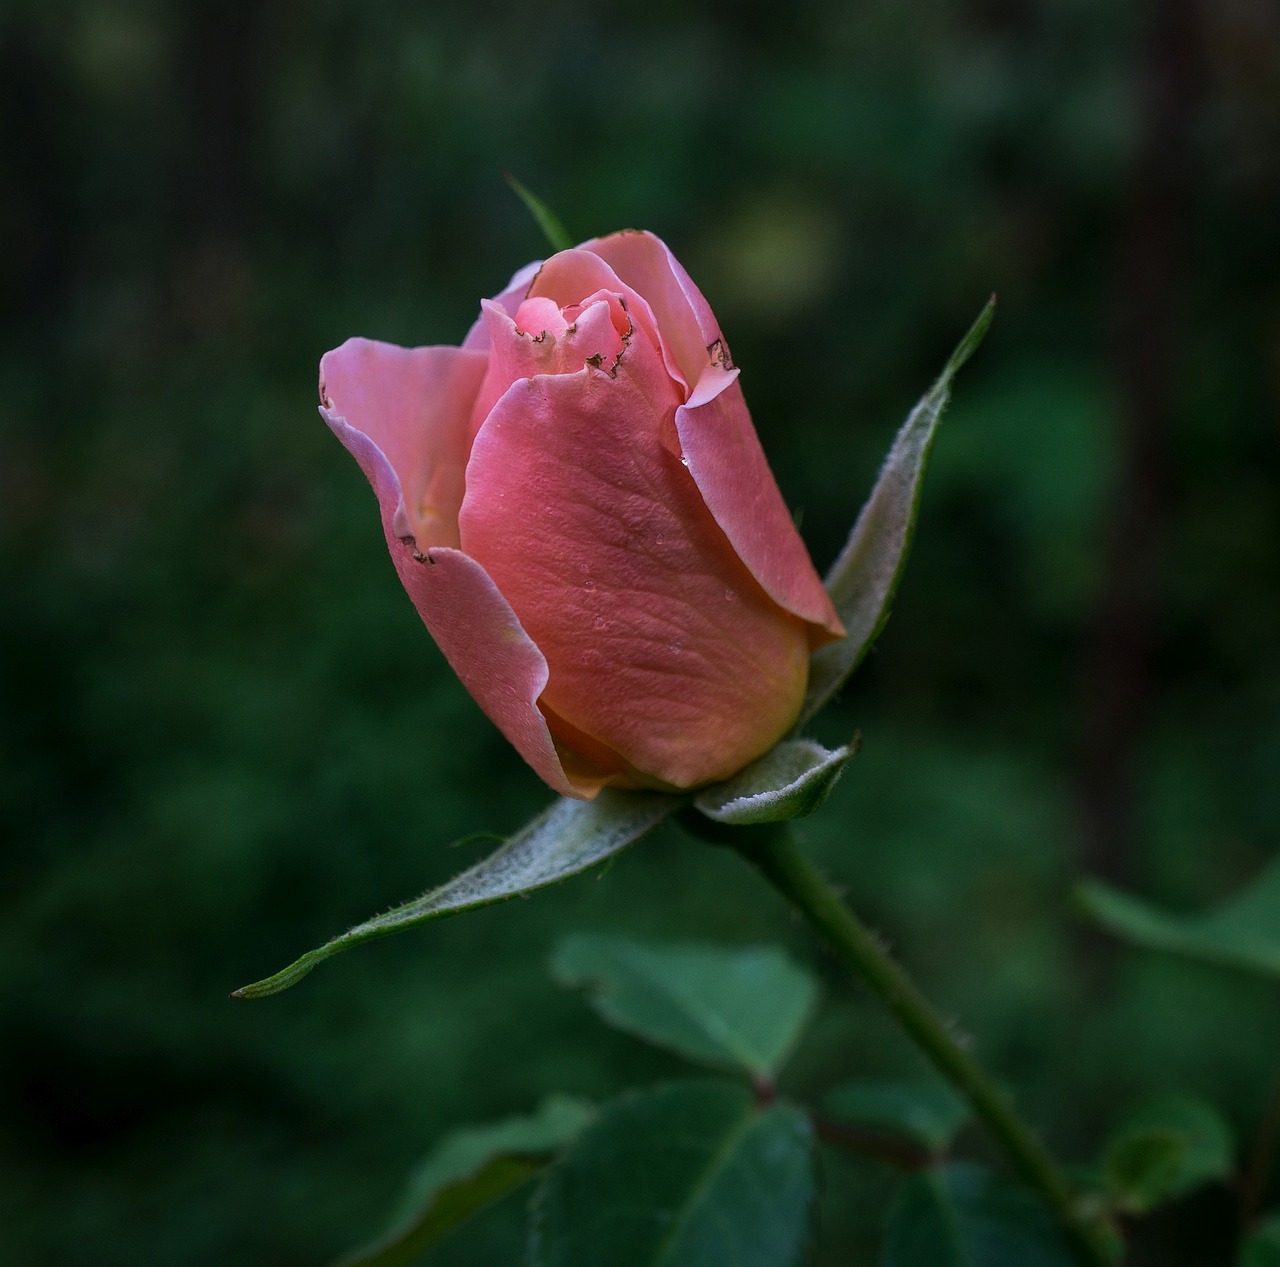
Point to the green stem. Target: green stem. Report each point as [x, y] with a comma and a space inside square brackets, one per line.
[800, 882]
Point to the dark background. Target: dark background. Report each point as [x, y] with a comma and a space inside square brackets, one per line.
[225, 736]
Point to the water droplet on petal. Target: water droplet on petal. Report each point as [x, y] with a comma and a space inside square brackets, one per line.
[678, 645]
[599, 622]
[588, 585]
[684, 461]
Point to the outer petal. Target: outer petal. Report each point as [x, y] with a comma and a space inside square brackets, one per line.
[477, 339]
[471, 621]
[716, 435]
[726, 461]
[690, 333]
[662, 646]
[415, 405]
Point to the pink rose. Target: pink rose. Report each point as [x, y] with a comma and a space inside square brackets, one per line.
[579, 507]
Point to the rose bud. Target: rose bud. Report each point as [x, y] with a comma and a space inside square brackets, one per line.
[577, 503]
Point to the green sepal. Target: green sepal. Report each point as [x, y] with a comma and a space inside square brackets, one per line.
[691, 1174]
[467, 1171]
[1163, 1150]
[739, 1009]
[1243, 932]
[791, 780]
[565, 839]
[547, 220]
[863, 580]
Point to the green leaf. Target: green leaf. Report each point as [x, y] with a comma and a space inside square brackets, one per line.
[1242, 933]
[961, 1215]
[922, 1111]
[737, 1009]
[1169, 1146]
[791, 780]
[547, 220]
[1261, 1247]
[470, 1169]
[682, 1175]
[864, 578]
[1141, 1168]
[565, 839]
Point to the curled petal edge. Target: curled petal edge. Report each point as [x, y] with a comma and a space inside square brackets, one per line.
[471, 622]
[509, 300]
[686, 325]
[728, 465]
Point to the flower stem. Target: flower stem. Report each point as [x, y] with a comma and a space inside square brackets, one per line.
[799, 881]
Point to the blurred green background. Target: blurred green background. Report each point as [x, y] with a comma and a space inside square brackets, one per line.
[225, 735]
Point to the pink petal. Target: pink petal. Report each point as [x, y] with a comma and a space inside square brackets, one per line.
[689, 329]
[716, 434]
[661, 646]
[540, 317]
[547, 346]
[472, 623]
[570, 276]
[415, 405]
[477, 339]
[729, 466]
